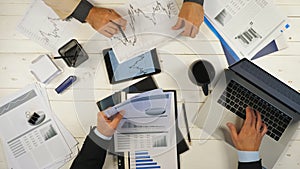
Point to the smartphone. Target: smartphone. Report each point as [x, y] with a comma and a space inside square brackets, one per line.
[73, 53]
[140, 66]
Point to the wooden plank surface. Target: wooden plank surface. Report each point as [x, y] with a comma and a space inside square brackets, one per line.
[77, 110]
[123, 1]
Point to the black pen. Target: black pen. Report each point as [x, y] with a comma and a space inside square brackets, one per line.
[60, 57]
[75, 58]
[120, 29]
[186, 123]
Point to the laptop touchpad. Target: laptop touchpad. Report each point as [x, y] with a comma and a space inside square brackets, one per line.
[223, 132]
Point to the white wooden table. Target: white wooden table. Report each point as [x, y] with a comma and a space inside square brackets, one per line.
[76, 107]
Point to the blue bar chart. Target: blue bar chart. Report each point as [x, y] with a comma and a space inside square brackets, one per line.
[142, 160]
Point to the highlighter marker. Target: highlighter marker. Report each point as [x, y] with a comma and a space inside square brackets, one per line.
[68, 82]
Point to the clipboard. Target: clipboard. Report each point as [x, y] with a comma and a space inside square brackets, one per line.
[142, 86]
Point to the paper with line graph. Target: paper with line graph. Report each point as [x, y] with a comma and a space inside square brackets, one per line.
[149, 23]
[43, 26]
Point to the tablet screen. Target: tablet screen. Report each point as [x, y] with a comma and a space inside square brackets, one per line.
[139, 66]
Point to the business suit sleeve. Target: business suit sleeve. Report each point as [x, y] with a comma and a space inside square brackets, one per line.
[78, 9]
[250, 165]
[196, 1]
[63, 8]
[92, 154]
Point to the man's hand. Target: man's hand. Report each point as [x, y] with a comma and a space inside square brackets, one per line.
[106, 126]
[101, 20]
[191, 17]
[251, 134]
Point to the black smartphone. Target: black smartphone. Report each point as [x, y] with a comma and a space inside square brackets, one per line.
[73, 53]
[140, 66]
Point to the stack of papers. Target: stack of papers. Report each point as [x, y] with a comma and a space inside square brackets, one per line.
[148, 129]
[35, 143]
[245, 27]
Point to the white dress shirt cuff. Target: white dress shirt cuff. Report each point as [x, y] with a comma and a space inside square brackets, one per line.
[101, 135]
[248, 156]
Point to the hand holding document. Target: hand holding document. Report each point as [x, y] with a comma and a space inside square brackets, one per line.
[134, 105]
[32, 135]
[148, 128]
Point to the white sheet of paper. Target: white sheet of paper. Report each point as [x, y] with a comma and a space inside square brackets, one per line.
[144, 132]
[27, 145]
[44, 69]
[125, 105]
[159, 159]
[43, 26]
[70, 140]
[3, 158]
[246, 25]
[149, 23]
[149, 141]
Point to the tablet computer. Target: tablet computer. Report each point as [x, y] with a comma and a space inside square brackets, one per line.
[143, 65]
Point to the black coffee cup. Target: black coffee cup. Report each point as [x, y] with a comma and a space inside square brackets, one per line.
[201, 73]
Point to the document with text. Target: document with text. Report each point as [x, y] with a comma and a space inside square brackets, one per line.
[32, 136]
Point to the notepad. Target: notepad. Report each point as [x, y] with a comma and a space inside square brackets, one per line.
[43, 69]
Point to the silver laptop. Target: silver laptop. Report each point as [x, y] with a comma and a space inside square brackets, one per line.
[243, 84]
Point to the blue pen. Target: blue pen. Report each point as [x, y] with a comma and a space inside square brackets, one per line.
[68, 82]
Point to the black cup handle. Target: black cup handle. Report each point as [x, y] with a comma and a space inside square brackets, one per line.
[205, 89]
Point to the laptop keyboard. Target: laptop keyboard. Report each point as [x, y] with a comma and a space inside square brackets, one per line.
[236, 98]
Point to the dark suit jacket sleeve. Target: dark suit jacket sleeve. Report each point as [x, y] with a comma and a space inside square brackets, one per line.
[251, 165]
[92, 154]
[196, 1]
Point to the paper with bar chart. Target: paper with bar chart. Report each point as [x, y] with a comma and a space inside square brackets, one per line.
[247, 26]
[148, 130]
[150, 159]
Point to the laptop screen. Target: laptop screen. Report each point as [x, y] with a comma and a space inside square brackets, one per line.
[268, 83]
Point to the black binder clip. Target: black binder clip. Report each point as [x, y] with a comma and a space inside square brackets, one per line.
[35, 118]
